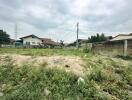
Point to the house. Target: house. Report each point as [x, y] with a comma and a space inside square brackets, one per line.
[12, 41]
[80, 41]
[117, 40]
[122, 43]
[33, 40]
[122, 37]
[46, 41]
[120, 40]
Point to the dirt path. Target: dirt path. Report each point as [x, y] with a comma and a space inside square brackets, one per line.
[69, 63]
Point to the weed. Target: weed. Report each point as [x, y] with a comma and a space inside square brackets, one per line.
[124, 57]
[26, 83]
[107, 79]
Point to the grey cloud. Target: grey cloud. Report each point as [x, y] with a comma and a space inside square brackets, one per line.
[12, 3]
[60, 16]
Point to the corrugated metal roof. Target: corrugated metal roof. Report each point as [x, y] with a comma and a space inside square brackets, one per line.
[122, 37]
[32, 35]
[49, 41]
[44, 40]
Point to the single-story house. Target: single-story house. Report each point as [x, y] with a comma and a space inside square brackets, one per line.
[121, 42]
[122, 37]
[12, 41]
[33, 40]
[80, 41]
[46, 41]
[117, 40]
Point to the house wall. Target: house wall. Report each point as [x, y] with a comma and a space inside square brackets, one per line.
[31, 41]
[113, 48]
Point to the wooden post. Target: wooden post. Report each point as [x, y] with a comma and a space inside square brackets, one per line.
[125, 47]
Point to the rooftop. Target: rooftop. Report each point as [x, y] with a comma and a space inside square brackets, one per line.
[29, 36]
[122, 37]
[44, 40]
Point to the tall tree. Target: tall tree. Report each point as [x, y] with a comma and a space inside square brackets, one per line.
[4, 37]
[97, 38]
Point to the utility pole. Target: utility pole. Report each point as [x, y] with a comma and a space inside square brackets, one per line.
[125, 47]
[15, 29]
[77, 43]
[15, 32]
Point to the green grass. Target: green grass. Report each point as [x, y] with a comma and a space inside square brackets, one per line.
[124, 57]
[28, 83]
[112, 76]
[42, 52]
[105, 78]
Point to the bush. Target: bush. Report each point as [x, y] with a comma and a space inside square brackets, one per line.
[86, 48]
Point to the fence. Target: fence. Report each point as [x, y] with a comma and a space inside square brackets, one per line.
[113, 48]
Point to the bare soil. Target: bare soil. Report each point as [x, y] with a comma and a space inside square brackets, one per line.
[69, 63]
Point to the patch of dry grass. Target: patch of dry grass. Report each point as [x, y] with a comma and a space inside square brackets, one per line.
[106, 77]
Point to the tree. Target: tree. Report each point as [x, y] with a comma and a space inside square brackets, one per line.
[61, 43]
[4, 37]
[97, 38]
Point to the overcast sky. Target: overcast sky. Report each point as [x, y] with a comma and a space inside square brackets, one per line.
[57, 19]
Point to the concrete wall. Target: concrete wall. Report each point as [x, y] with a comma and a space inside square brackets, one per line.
[115, 48]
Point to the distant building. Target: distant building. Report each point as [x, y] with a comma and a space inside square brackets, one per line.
[122, 37]
[33, 40]
[121, 43]
[80, 41]
[119, 39]
[12, 41]
[47, 41]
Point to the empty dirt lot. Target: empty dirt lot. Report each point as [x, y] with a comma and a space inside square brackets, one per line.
[68, 63]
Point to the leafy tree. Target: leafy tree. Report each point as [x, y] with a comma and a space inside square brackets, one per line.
[98, 38]
[4, 37]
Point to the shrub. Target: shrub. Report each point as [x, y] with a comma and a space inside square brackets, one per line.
[86, 48]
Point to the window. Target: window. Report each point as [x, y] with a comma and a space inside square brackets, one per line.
[27, 43]
[33, 42]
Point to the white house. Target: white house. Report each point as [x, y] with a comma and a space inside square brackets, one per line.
[31, 40]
